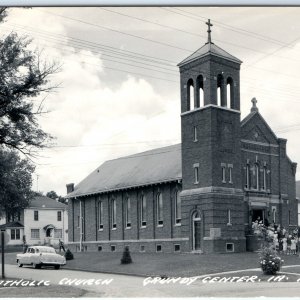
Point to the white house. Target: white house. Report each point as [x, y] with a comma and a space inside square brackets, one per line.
[44, 222]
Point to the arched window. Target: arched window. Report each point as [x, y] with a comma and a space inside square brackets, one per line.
[199, 92]
[113, 213]
[229, 88]
[264, 187]
[190, 95]
[221, 95]
[100, 215]
[247, 184]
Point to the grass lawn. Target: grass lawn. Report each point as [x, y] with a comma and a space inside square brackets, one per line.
[157, 264]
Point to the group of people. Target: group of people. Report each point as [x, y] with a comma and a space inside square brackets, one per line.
[60, 244]
[283, 241]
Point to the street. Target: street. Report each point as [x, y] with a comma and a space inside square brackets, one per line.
[132, 286]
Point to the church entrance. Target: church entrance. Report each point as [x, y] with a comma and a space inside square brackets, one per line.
[258, 215]
[196, 221]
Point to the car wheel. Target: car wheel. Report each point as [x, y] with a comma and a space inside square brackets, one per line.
[19, 264]
[56, 267]
[36, 266]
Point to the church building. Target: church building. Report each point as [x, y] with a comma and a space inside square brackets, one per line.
[198, 196]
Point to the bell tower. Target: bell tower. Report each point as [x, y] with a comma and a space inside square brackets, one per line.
[211, 154]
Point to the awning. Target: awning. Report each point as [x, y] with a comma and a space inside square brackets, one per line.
[51, 226]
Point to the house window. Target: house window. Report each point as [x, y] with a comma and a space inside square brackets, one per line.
[59, 216]
[195, 134]
[230, 167]
[127, 213]
[100, 215]
[57, 233]
[113, 214]
[143, 211]
[15, 234]
[196, 173]
[223, 168]
[177, 208]
[159, 209]
[228, 217]
[35, 233]
[36, 215]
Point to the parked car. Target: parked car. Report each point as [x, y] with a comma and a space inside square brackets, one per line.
[39, 256]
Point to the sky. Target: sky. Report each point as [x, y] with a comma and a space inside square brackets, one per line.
[119, 90]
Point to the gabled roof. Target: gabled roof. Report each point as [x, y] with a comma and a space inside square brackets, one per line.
[207, 49]
[256, 113]
[46, 202]
[150, 167]
[12, 225]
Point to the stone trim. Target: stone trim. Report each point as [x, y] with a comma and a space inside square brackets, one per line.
[208, 106]
[265, 153]
[234, 238]
[213, 190]
[131, 241]
[259, 143]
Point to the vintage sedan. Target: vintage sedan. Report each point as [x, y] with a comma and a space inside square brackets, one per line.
[39, 256]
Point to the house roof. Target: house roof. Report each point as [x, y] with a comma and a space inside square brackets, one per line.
[46, 202]
[150, 167]
[207, 49]
[15, 224]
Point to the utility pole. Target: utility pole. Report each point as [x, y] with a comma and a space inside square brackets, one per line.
[2, 251]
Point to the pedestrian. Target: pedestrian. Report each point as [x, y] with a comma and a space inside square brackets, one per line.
[61, 245]
[284, 245]
[293, 246]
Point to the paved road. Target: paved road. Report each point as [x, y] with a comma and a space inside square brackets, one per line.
[132, 286]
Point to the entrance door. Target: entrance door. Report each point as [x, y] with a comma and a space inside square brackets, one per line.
[196, 231]
[258, 214]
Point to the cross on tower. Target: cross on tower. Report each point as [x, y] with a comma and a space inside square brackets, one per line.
[254, 107]
[209, 30]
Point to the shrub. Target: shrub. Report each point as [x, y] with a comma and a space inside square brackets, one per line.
[126, 259]
[69, 255]
[270, 262]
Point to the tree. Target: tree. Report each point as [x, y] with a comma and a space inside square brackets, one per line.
[53, 195]
[15, 181]
[24, 78]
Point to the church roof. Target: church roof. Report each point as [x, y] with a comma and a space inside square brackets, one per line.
[150, 167]
[207, 49]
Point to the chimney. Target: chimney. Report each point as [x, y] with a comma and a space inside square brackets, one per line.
[70, 188]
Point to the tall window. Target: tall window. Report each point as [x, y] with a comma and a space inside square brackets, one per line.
[256, 176]
[177, 208]
[159, 209]
[274, 214]
[113, 213]
[199, 92]
[230, 167]
[230, 96]
[15, 234]
[221, 96]
[100, 215]
[127, 213]
[264, 187]
[247, 184]
[196, 173]
[36, 215]
[228, 217]
[59, 216]
[195, 134]
[223, 171]
[143, 211]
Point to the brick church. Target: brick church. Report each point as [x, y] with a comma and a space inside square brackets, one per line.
[198, 196]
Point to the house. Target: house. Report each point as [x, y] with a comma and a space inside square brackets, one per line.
[201, 195]
[44, 221]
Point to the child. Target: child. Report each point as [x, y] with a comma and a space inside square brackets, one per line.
[289, 244]
[293, 246]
